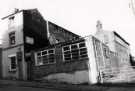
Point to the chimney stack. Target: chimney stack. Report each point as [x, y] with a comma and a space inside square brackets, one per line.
[16, 10]
[99, 25]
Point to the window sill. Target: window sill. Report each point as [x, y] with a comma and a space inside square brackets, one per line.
[12, 70]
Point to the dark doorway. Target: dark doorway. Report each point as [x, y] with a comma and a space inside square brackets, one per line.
[29, 68]
[20, 66]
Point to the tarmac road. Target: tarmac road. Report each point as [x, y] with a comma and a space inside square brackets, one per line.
[13, 88]
[9, 85]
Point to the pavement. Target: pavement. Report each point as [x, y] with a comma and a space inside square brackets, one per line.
[14, 85]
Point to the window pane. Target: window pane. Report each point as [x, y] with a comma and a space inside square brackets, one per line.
[75, 51]
[67, 52]
[39, 61]
[67, 55]
[13, 62]
[84, 56]
[83, 50]
[75, 54]
[81, 45]
[66, 48]
[51, 51]
[44, 52]
[74, 47]
[51, 58]
[39, 54]
[12, 38]
[83, 53]
[45, 59]
[67, 59]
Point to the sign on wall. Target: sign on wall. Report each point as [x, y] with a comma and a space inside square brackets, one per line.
[30, 40]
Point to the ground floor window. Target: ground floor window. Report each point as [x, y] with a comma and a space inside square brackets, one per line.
[45, 57]
[13, 62]
[75, 51]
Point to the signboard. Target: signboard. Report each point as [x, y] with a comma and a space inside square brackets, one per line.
[30, 40]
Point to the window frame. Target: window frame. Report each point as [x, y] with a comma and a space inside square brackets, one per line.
[37, 63]
[12, 37]
[42, 55]
[66, 51]
[70, 49]
[53, 54]
[10, 65]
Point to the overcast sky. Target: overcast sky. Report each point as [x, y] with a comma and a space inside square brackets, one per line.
[80, 16]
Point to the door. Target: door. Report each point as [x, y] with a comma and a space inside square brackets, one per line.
[29, 68]
[20, 65]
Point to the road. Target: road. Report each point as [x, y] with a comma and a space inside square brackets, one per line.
[8, 85]
[18, 88]
[13, 88]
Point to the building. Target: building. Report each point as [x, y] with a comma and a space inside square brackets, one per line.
[27, 30]
[116, 44]
[37, 49]
[76, 62]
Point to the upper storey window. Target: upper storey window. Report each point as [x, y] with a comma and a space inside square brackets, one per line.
[11, 22]
[12, 38]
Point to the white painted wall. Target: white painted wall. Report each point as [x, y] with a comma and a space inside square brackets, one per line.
[93, 71]
[17, 27]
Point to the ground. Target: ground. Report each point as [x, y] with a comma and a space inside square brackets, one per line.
[14, 88]
[8, 85]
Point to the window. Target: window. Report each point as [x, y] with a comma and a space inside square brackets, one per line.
[45, 57]
[75, 51]
[106, 53]
[12, 38]
[83, 50]
[97, 47]
[51, 58]
[39, 59]
[67, 53]
[11, 21]
[13, 62]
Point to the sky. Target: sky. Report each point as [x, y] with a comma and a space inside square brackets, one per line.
[80, 16]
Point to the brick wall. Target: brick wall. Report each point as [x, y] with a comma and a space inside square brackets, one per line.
[60, 66]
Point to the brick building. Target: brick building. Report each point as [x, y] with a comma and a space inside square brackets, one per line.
[37, 49]
[27, 30]
[77, 61]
